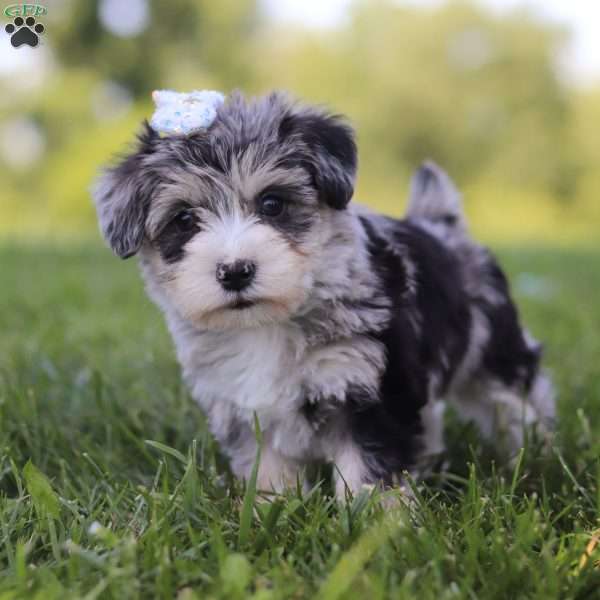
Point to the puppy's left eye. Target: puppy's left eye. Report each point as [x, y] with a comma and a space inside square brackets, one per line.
[270, 205]
[184, 220]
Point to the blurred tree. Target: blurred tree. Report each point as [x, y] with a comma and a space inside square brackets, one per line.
[479, 93]
[210, 36]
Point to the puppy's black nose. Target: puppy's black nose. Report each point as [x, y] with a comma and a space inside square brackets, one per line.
[236, 276]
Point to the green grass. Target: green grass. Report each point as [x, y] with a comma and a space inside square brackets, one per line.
[90, 509]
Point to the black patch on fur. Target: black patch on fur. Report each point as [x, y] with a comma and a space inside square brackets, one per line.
[439, 300]
[331, 159]
[388, 429]
[310, 411]
[297, 217]
[171, 242]
[388, 432]
[507, 355]
[322, 412]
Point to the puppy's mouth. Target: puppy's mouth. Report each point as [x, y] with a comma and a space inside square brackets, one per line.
[240, 312]
[241, 304]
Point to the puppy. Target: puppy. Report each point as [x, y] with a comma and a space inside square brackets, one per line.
[341, 330]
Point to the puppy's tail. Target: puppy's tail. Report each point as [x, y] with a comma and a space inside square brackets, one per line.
[435, 203]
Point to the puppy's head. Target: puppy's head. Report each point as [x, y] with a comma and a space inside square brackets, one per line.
[231, 220]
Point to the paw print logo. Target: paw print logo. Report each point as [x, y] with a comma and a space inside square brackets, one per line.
[24, 32]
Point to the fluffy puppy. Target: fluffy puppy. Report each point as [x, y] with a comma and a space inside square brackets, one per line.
[343, 331]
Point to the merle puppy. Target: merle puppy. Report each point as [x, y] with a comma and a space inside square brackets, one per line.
[343, 331]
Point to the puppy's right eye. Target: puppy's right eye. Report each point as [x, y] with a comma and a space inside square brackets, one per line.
[270, 205]
[176, 233]
[184, 220]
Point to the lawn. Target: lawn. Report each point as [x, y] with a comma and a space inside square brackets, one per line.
[111, 487]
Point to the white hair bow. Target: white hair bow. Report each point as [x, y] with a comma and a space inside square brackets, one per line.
[180, 113]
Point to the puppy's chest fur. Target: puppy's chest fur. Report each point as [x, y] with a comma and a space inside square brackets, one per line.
[277, 374]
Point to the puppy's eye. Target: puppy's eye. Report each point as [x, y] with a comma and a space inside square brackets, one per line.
[270, 205]
[184, 220]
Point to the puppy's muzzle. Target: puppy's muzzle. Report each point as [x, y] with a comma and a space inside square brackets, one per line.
[236, 276]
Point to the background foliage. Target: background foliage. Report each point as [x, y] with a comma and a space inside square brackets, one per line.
[481, 94]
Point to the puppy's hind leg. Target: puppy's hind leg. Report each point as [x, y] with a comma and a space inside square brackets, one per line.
[503, 414]
[543, 398]
[432, 439]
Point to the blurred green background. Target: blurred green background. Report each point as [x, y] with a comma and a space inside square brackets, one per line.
[484, 93]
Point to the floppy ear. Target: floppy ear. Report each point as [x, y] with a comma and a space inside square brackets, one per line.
[330, 153]
[122, 197]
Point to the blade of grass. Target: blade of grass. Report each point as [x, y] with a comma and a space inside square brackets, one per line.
[516, 473]
[354, 560]
[569, 473]
[167, 450]
[250, 494]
